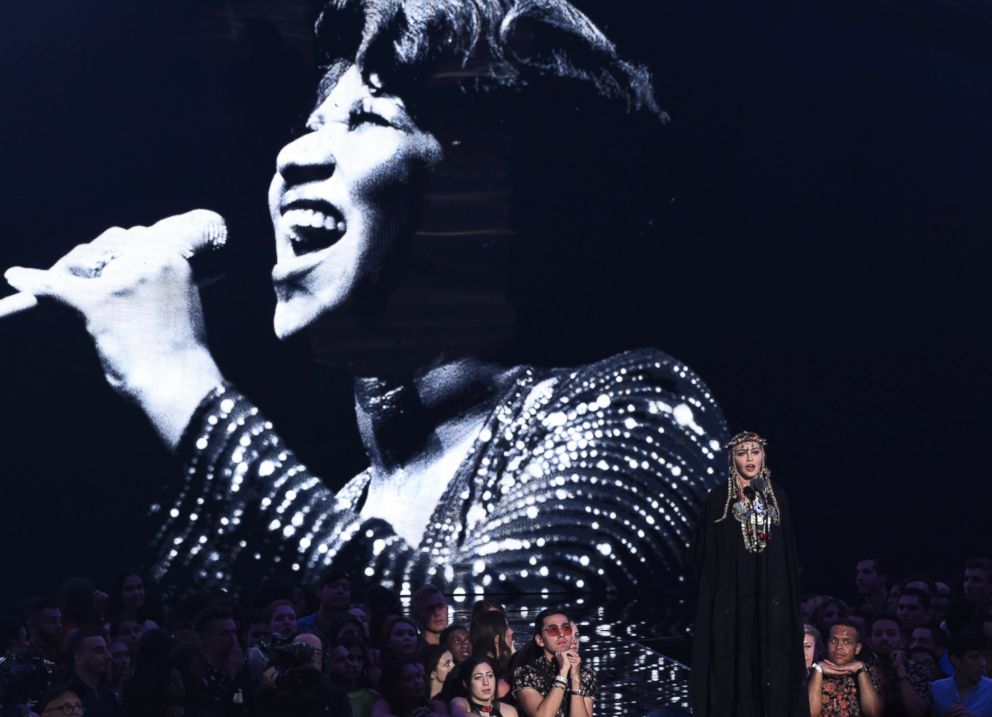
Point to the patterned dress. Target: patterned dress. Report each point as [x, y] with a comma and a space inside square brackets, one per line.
[588, 478]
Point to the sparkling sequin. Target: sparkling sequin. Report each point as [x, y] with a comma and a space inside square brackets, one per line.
[558, 446]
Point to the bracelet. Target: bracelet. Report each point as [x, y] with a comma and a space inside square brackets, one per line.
[561, 681]
[816, 666]
[864, 668]
[556, 683]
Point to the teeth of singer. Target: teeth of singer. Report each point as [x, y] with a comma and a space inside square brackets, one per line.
[313, 219]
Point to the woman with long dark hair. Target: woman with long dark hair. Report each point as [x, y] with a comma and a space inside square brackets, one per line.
[477, 678]
[492, 639]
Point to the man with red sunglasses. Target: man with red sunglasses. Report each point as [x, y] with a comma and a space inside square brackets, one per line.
[556, 683]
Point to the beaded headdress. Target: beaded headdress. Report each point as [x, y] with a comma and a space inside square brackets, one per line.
[745, 437]
[756, 507]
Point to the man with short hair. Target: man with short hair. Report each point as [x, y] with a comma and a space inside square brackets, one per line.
[429, 609]
[913, 609]
[841, 685]
[968, 693]
[905, 684]
[873, 584]
[334, 594]
[219, 633]
[977, 592]
[556, 683]
[931, 637]
[456, 638]
[89, 657]
[43, 619]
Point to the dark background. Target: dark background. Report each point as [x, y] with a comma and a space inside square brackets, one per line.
[820, 259]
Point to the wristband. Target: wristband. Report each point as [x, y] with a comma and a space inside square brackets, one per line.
[864, 668]
[816, 666]
[561, 680]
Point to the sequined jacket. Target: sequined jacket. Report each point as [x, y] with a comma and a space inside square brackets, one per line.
[587, 478]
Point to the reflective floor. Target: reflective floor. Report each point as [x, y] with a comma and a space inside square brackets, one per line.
[632, 645]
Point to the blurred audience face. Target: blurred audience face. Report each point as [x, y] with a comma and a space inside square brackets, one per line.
[433, 614]
[47, 626]
[335, 595]
[868, 579]
[362, 616]
[885, 637]
[971, 666]
[843, 645]
[925, 658]
[219, 639]
[809, 649]
[922, 585]
[442, 669]
[129, 631]
[92, 658]
[460, 645]
[132, 593]
[911, 612]
[941, 600]
[68, 703]
[120, 659]
[977, 585]
[402, 638]
[346, 663]
[255, 632]
[922, 637]
[412, 685]
[308, 638]
[283, 621]
[832, 612]
[892, 603]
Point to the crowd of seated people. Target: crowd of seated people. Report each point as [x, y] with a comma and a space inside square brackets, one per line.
[282, 652]
[900, 647]
[913, 647]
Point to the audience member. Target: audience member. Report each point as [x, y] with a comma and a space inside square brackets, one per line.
[224, 661]
[872, 583]
[90, 660]
[976, 591]
[913, 608]
[457, 639]
[931, 637]
[492, 638]
[555, 682]
[941, 601]
[905, 686]
[399, 638]
[812, 645]
[282, 619]
[429, 610]
[60, 701]
[477, 680]
[404, 691]
[969, 692]
[334, 596]
[437, 666]
[842, 685]
[44, 626]
[347, 671]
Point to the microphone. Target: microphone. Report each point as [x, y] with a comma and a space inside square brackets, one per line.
[759, 485]
[194, 233]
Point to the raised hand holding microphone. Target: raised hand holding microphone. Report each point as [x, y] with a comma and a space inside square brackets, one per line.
[134, 288]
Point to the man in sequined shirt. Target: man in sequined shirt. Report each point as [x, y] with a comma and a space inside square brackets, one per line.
[556, 682]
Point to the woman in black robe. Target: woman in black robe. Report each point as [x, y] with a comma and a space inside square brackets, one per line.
[747, 651]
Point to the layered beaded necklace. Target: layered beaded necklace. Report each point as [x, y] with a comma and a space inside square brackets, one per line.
[756, 514]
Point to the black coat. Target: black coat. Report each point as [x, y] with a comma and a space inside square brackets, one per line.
[747, 650]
